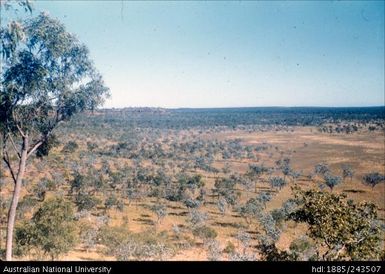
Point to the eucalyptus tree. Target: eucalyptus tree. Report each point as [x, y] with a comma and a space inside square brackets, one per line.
[225, 187]
[372, 179]
[251, 209]
[347, 171]
[46, 78]
[321, 169]
[341, 228]
[277, 182]
[331, 181]
[255, 172]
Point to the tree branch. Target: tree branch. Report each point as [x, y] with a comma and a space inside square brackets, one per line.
[14, 145]
[17, 125]
[34, 147]
[6, 160]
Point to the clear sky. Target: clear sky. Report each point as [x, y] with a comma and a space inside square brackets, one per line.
[232, 54]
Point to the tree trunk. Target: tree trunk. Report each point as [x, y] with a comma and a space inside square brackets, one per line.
[15, 199]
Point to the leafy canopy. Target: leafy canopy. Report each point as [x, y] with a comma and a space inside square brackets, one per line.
[346, 229]
[47, 77]
[52, 230]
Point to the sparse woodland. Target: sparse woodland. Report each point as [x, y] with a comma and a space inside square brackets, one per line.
[78, 182]
[153, 184]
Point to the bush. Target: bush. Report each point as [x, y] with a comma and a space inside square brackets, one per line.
[160, 210]
[111, 201]
[230, 248]
[331, 181]
[372, 179]
[70, 147]
[346, 230]
[204, 232]
[251, 209]
[47, 145]
[303, 249]
[191, 203]
[197, 218]
[321, 169]
[125, 246]
[277, 182]
[51, 232]
[85, 201]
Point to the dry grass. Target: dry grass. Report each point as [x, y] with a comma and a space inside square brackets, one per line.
[305, 146]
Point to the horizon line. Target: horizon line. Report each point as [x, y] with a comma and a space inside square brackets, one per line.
[244, 107]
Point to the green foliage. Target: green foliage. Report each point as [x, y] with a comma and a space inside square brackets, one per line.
[112, 236]
[50, 142]
[86, 201]
[205, 232]
[347, 171]
[46, 78]
[224, 187]
[331, 181]
[277, 182]
[270, 228]
[373, 178]
[257, 170]
[70, 147]
[251, 209]
[321, 169]
[230, 248]
[51, 231]
[346, 229]
[303, 249]
[91, 146]
[269, 252]
[191, 182]
[113, 201]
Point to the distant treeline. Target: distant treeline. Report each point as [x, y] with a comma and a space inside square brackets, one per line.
[234, 117]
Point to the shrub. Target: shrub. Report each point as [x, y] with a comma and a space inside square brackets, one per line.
[160, 210]
[331, 181]
[86, 201]
[277, 182]
[346, 230]
[372, 179]
[204, 232]
[70, 147]
[303, 249]
[230, 247]
[51, 232]
[321, 169]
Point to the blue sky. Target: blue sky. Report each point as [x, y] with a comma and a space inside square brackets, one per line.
[241, 53]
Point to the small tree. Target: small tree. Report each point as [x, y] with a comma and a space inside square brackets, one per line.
[46, 78]
[255, 172]
[264, 197]
[222, 205]
[86, 201]
[70, 147]
[331, 181]
[250, 210]
[52, 229]
[204, 232]
[372, 179]
[161, 211]
[277, 182]
[197, 218]
[347, 172]
[344, 229]
[321, 169]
